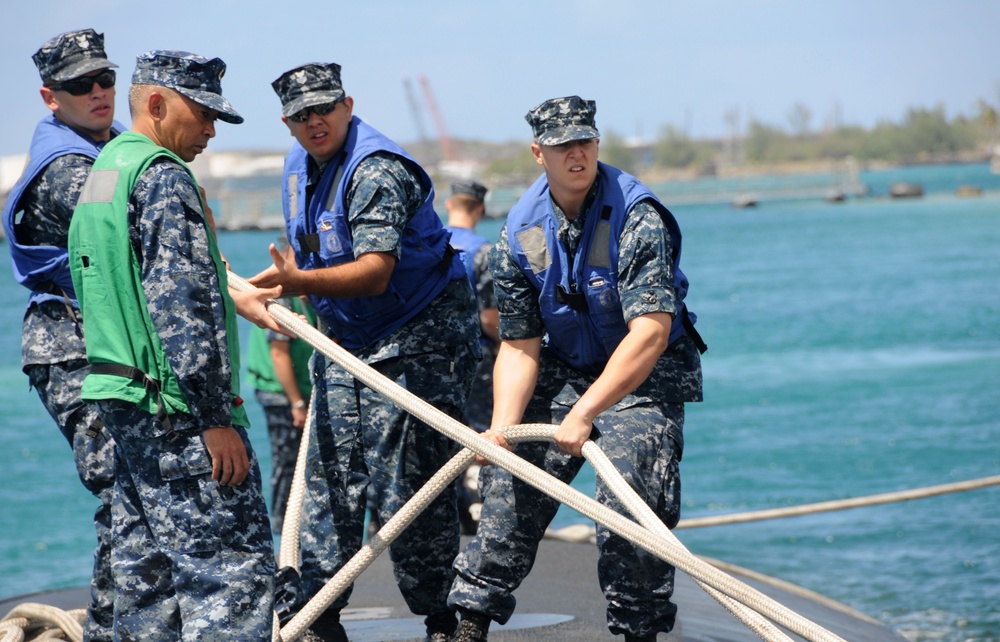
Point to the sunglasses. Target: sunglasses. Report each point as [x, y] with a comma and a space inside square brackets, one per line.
[302, 115]
[84, 84]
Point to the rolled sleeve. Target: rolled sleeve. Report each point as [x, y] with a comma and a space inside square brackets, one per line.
[383, 195]
[517, 300]
[645, 268]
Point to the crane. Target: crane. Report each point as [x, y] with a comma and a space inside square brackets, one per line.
[415, 109]
[446, 149]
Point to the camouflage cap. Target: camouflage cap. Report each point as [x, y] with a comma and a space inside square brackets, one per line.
[71, 55]
[312, 84]
[191, 75]
[470, 188]
[560, 120]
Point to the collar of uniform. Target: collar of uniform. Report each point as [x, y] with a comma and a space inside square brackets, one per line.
[569, 231]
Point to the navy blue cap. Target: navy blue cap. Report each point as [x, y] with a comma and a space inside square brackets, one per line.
[560, 120]
[191, 75]
[470, 188]
[71, 55]
[316, 83]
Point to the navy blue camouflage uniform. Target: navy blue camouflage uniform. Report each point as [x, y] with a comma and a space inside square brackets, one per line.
[285, 439]
[479, 408]
[190, 554]
[193, 559]
[364, 448]
[642, 434]
[53, 355]
[282, 433]
[361, 438]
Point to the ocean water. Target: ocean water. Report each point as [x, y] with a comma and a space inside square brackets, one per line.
[854, 348]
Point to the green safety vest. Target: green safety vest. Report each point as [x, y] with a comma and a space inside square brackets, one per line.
[108, 283]
[260, 367]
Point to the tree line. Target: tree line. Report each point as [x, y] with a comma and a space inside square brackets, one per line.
[923, 135]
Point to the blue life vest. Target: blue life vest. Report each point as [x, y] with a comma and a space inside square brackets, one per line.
[467, 243]
[321, 237]
[578, 299]
[44, 269]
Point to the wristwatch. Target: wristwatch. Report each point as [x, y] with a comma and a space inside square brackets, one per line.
[298, 405]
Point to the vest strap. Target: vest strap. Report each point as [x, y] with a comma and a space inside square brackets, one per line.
[575, 300]
[309, 242]
[695, 336]
[445, 263]
[150, 384]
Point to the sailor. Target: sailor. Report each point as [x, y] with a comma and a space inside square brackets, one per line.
[373, 256]
[193, 558]
[595, 338]
[78, 87]
[278, 370]
[466, 208]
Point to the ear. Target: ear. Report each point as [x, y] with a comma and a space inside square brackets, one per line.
[284, 119]
[536, 149]
[349, 103]
[156, 105]
[49, 98]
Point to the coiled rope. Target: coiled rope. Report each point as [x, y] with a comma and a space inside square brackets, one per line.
[33, 621]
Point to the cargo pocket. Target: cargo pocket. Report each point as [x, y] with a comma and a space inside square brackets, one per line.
[667, 478]
[195, 502]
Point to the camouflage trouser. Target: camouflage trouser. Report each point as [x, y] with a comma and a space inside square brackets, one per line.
[478, 411]
[645, 443]
[362, 439]
[193, 560]
[58, 386]
[285, 439]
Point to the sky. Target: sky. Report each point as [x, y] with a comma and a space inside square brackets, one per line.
[647, 63]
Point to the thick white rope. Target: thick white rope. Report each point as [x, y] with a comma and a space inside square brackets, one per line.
[532, 475]
[376, 545]
[754, 621]
[840, 504]
[290, 528]
[289, 553]
[52, 621]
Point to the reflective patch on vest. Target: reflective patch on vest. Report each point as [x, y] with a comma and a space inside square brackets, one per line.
[293, 195]
[100, 186]
[532, 241]
[331, 198]
[333, 244]
[600, 247]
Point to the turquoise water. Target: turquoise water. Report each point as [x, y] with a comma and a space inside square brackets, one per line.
[854, 349]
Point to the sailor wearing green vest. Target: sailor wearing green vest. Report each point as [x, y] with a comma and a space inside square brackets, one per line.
[193, 557]
[278, 366]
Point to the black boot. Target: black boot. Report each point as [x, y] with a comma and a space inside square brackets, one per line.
[327, 628]
[472, 628]
[440, 626]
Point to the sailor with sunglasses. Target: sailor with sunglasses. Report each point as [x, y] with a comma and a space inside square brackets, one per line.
[375, 260]
[78, 87]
